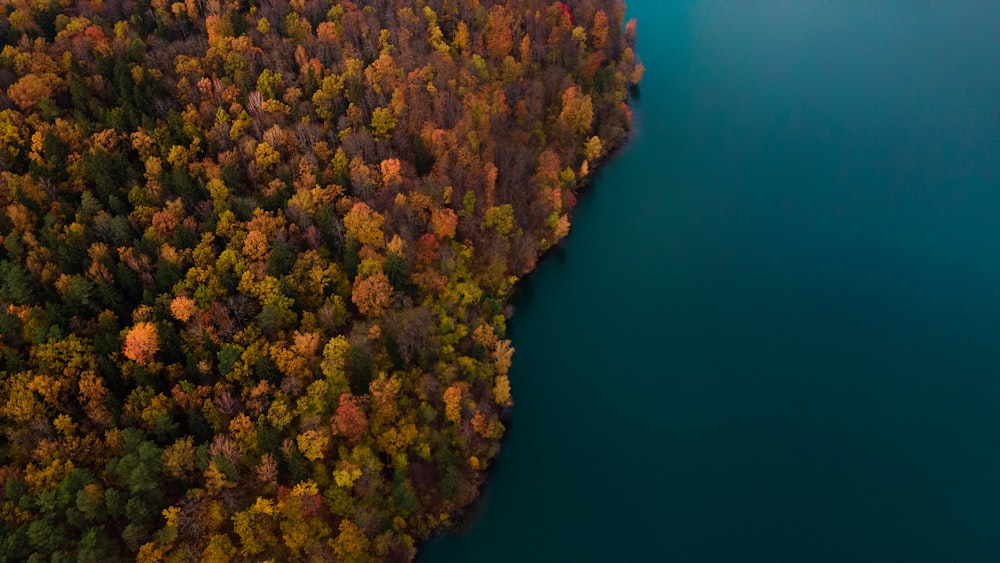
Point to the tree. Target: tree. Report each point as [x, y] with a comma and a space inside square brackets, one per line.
[372, 295]
[179, 458]
[350, 420]
[365, 225]
[255, 526]
[453, 402]
[32, 89]
[312, 443]
[183, 308]
[351, 543]
[443, 222]
[265, 156]
[577, 110]
[501, 391]
[593, 149]
[391, 172]
[13, 136]
[383, 123]
[500, 219]
[301, 526]
[498, 32]
[599, 30]
[141, 343]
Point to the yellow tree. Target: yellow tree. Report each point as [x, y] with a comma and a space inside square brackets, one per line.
[453, 401]
[255, 526]
[385, 403]
[577, 110]
[12, 135]
[365, 224]
[501, 391]
[312, 443]
[351, 543]
[383, 123]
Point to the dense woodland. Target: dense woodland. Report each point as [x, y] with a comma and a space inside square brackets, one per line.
[256, 261]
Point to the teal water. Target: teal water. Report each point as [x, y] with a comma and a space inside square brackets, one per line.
[774, 332]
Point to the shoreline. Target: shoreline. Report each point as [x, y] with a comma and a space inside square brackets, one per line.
[467, 517]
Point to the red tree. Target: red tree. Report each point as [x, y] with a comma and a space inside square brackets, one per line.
[350, 420]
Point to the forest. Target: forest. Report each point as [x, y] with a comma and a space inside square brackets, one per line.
[257, 259]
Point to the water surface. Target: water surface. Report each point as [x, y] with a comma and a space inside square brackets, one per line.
[774, 332]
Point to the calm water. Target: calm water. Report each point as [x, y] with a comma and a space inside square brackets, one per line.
[774, 333]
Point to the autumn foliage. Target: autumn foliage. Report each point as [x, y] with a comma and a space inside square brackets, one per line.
[141, 343]
[350, 420]
[372, 295]
[256, 259]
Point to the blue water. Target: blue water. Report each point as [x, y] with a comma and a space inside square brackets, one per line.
[774, 332]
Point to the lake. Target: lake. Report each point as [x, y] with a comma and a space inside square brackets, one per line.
[774, 331]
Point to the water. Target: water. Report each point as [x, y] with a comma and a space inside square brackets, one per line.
[774, 332]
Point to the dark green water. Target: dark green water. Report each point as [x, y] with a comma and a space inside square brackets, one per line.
[774, 332]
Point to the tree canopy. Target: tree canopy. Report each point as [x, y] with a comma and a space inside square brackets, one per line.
[257, 256]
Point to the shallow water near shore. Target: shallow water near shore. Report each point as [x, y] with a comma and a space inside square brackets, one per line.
[774, 331]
